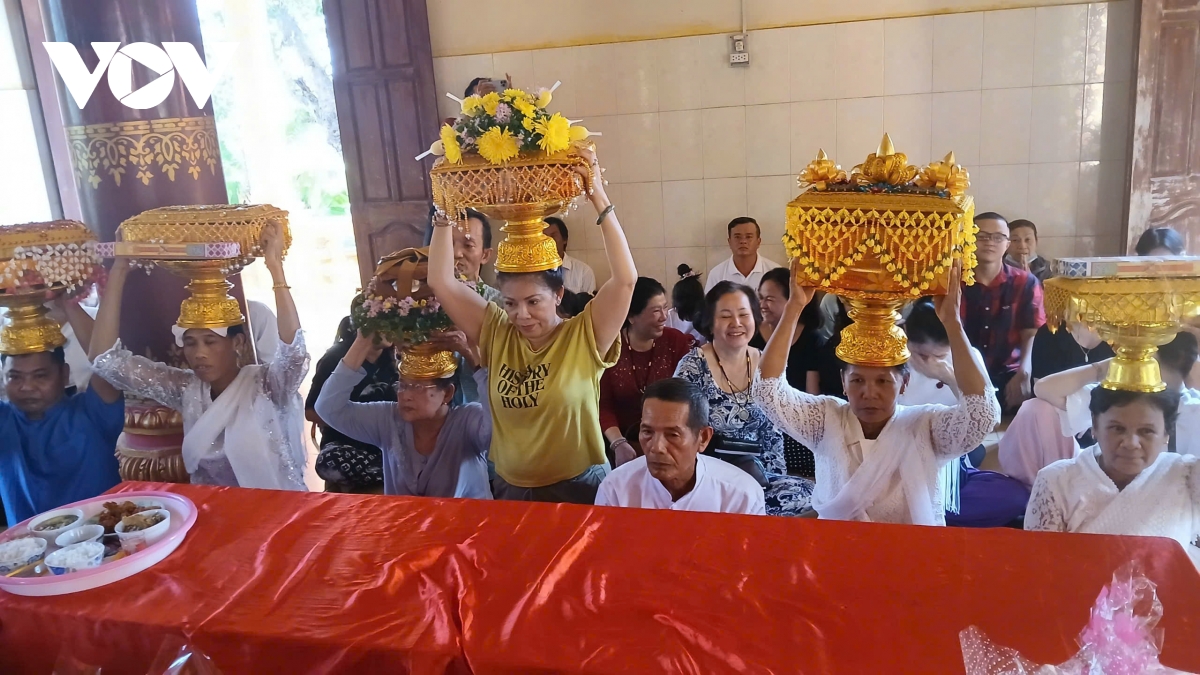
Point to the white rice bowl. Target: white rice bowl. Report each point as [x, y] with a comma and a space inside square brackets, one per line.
[76, 557]
[18, 553]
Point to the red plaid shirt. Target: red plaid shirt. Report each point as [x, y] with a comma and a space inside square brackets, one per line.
[994, 316]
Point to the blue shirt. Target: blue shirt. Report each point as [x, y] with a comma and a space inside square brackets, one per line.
[66, 456]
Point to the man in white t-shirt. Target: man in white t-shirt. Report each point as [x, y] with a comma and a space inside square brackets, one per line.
[745, 266]
[577, 276]
[673, 474]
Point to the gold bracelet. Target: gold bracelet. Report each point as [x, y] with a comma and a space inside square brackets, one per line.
[281, 286]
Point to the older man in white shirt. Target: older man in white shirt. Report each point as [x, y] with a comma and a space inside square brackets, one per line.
[745, 266]
[673, 474]
[578, 277]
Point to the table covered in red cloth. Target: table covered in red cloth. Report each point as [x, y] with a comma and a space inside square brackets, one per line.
[281, 582]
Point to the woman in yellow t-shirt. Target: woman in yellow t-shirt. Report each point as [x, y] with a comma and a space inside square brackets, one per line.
[543, 371]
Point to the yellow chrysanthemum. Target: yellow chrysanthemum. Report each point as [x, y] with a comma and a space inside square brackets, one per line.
[450, 144]
[472, 104]
[544, 97]
[527, 123]
[516, 95]
[525, 107]
[498, 145]
[490, 102]
[556, 134]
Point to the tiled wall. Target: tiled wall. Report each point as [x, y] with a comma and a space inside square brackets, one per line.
[1035, 102]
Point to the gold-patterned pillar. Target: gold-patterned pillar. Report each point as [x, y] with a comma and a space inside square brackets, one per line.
[126, 161]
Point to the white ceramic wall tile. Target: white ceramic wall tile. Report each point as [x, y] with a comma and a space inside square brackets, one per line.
[769, 76]
[1005, 123]
[814, 127]
[1097, 42]
[1089, 196]
[639, 142]
[1054, 134]
[1058, 247]
[598, 260]
[608, 145]
[596, 90]
[453, 74]
[811, 52]
[956, 119]
[724, 200]
[908, 68]
[559, 65]
[957, 51]
[859, 66]
[1053, 195]
[1008, 40]
[649, 263]
[716, 256]
[859, 129]
[909, 121]
[1061, 46]
[773, 250]
[683, 213]
[766, 201]
[594, 235]
[724, 142]
[682, 143]
[1118, 116]
[679, 73]
[768, 139]
[581, 222]
[642, 214]
[518, 66]
[1001, 188]
[1111, 197]
[694, 257]
[720, 83]
[1121, 48]
[1092, 125]
[637, 77]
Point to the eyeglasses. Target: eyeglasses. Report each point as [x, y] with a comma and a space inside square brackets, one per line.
[989, 238]
[414, 386]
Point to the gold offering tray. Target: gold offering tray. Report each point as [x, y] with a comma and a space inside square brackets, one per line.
[241, 224]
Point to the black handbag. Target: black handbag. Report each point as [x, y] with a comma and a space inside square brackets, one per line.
[742, 454]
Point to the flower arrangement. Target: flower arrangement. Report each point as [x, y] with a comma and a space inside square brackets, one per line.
[499, 126]
[402, 321]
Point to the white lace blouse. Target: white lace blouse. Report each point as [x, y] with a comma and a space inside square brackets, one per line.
[278, 385]
[937, 434]
[1075, 495]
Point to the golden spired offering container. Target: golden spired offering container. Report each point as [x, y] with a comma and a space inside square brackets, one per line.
[1135, 304]
[879, 237]
[40, 261]
[232, 234]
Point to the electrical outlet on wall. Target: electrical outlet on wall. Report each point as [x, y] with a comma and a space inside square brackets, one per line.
[738, 54]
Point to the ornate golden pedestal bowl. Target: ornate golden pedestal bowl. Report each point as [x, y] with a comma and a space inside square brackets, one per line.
[1134, 315]
[151, 447]
[39, 262]
[521, 192]
[880, 237]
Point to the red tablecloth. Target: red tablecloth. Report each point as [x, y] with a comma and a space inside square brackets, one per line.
[305, 583]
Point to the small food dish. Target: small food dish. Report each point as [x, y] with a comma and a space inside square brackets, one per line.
[18, 553]
[78, 535]
[140, 530]
[114, 511]
[61, 520]
[76, 557]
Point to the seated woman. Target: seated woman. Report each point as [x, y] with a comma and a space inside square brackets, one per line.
[1049, 427]
[1129, 482]
[344, 463]
[974, 498]
[649, 353]
[687, 301]
[802, 366]
[431, 448]
[242, 425]
[724, 369]
[877, 460]
[544, 382]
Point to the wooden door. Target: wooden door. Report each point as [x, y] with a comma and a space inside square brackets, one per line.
[1165, 188]
[387, 112]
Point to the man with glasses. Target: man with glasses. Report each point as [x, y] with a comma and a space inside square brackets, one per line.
[1001, 312]
[745, 266]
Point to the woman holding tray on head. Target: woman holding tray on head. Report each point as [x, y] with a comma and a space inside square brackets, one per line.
[544, 372]
[242, 424]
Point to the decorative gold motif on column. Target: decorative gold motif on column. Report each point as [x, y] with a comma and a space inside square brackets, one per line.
[143, 146]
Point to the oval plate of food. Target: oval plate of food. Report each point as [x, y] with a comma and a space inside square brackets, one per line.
[124, 555]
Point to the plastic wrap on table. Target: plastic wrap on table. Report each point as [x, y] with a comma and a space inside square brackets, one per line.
[69, 664]
[1121, 638]
[178, 657]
